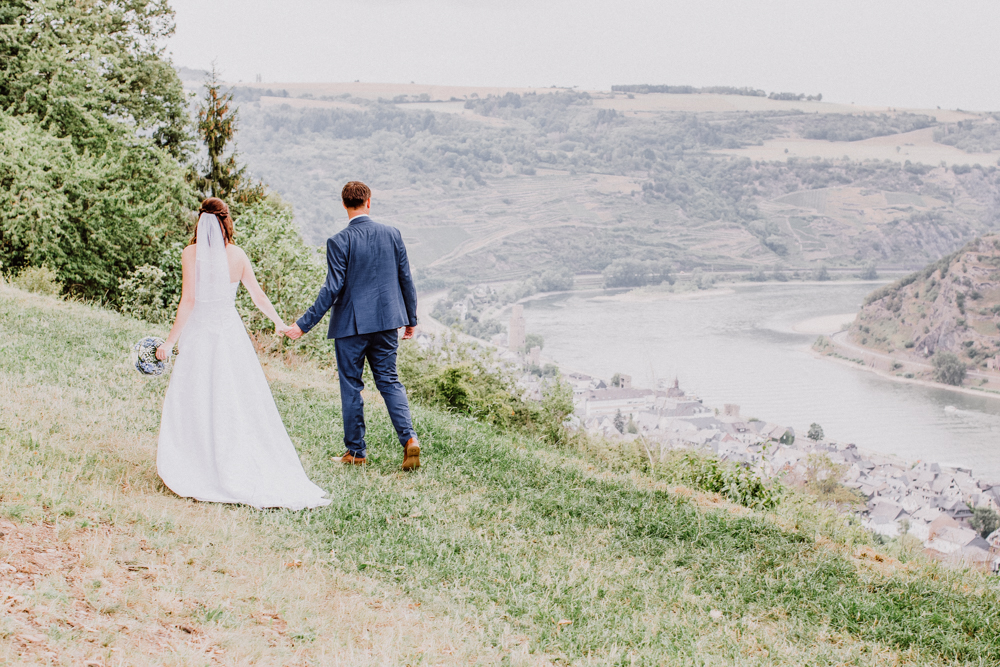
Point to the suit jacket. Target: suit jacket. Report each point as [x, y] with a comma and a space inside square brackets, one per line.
[368, 282]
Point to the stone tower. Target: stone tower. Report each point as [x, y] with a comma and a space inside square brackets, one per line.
[515, 330]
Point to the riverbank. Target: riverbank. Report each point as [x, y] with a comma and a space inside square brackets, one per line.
[685, 290]
[742, 348]
[825, 324]
[834, 346]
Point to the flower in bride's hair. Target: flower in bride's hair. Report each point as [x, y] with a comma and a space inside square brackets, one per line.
[145, 356]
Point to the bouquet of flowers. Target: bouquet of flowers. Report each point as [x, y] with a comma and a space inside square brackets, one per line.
[145, 356]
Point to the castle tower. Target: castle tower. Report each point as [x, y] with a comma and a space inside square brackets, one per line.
[515, 330]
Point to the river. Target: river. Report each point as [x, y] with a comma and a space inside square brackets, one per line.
[738, 346]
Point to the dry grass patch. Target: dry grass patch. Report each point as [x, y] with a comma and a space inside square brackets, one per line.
[109, 595]
[101, 564]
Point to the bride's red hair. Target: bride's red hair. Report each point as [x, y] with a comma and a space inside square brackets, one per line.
[218, 208]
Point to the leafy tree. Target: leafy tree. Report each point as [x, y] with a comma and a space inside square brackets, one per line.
[82, 68]
[984, 521]
[787, 438]
[93, 123]
[533, 340]
[555, 281]
[91, 217]
[948, 368]
[636, 273]
[815, 432]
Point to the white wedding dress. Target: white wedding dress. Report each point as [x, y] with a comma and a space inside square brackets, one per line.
[221, 437]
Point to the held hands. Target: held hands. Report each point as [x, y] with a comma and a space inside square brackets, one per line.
[294, 332]
[281, 328]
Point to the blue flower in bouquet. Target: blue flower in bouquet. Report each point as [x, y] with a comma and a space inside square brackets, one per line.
[145, 359]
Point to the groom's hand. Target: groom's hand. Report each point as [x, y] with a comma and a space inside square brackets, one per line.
[408, 333]
[294, 332]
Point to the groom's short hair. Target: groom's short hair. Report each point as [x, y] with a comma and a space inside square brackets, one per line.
[355, 194]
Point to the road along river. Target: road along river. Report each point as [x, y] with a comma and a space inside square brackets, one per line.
[746, 345]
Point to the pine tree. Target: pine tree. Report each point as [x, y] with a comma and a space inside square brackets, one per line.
[619, 422]
[217, 121]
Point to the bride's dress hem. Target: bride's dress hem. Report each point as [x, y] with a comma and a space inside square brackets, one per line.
[306, 505]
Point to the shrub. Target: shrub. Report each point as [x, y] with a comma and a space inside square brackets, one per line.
[733, 482]
[289, 271]
[142, 294]
[948, 368]
[821, 273]
[38, 279]
[822, 480]
[869, 272]
[474, 382]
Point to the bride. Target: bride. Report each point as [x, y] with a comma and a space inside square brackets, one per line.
[221, 437]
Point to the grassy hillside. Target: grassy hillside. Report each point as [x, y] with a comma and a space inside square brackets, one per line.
[499, 551]
[500, 187]
[952, 305]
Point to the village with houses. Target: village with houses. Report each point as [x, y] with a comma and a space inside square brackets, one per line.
[928, 501]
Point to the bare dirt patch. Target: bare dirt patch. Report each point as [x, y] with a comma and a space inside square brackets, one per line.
[61, 603]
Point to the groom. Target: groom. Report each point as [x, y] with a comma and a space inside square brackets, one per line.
[369, 287]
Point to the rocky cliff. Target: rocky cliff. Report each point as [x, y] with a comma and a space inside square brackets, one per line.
[951, 305]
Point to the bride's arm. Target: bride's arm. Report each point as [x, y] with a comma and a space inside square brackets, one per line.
[186, 305]
[258, 297]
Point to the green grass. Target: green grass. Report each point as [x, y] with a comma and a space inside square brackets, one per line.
[527, 538]
[512, 538]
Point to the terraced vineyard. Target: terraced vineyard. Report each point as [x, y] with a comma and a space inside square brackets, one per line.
[508, 184]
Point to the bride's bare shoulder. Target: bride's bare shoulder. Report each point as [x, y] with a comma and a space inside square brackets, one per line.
[188, 251]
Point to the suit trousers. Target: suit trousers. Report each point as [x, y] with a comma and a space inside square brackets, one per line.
[379, 349]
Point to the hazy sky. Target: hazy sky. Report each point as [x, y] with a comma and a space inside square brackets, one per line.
[912, 53]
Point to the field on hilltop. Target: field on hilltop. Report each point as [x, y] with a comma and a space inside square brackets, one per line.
[500, 550]
[496, 184]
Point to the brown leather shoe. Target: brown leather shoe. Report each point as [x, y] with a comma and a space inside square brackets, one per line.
[350, 459]
[411, 454]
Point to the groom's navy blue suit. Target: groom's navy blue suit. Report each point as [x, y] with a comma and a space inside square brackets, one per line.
[369, 286]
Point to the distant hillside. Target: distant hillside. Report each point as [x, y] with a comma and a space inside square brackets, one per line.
[952, 305]
[510, 185]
